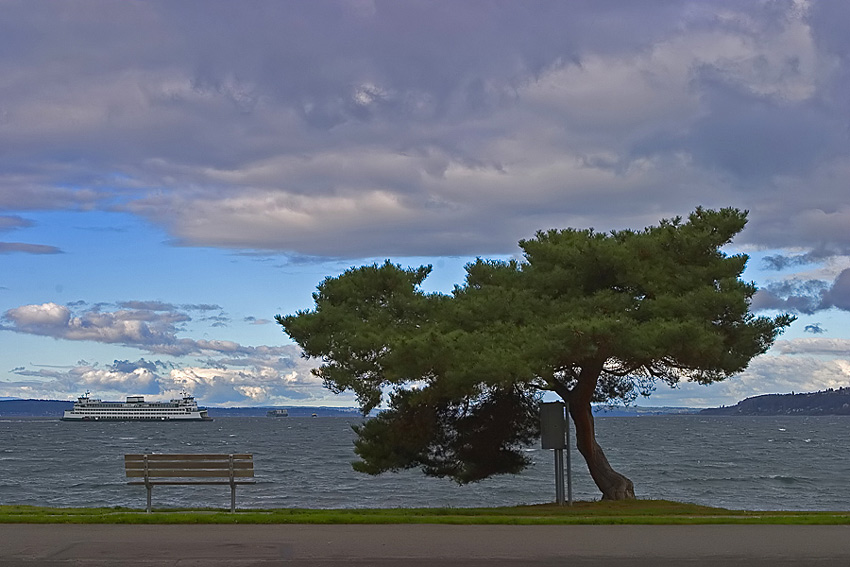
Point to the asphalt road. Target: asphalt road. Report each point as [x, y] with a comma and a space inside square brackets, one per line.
[420, 545]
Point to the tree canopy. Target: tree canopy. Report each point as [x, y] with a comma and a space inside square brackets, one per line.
[589, 316]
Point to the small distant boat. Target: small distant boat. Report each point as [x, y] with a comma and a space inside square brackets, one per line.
[314, 415]
[278, 413]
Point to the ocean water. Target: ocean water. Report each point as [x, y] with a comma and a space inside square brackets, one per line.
[750, 463]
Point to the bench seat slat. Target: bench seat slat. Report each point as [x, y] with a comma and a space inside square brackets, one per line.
[165, 473]
[188, 457]
[189, 483]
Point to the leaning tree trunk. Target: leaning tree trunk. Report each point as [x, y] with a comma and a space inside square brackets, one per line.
[613, 485]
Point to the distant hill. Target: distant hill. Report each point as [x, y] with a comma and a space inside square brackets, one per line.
[827, 402]
[33, 408]
[55, 408]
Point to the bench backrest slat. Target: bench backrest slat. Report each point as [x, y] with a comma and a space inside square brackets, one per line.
[187, 457]
[209, 465]
[189, 466]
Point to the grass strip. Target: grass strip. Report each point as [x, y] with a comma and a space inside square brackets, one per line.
[647, 512]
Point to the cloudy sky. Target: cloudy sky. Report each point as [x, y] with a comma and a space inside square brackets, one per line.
[174, 174]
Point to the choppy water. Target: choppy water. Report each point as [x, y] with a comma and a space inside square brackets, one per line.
[766, 463]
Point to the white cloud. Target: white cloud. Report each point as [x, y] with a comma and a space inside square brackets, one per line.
[783, 374]
[128, 327]
[271, 375]
[139, 380]
[800, 368]
[814, 346]
[153, 327]
[45, 317]
[220, 372]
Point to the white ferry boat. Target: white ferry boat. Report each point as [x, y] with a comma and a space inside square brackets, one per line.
[136, 408]
[278, 413]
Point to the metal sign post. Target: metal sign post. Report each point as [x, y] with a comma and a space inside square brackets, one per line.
[554, 434]
[569, 465]
[559, 476]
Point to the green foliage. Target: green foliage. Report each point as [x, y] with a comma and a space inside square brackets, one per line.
[465, 440]
[664, 303]
[360, 318]
[586, 315]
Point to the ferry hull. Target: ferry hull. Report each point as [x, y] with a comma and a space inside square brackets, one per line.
[136, 409]
[88, 418]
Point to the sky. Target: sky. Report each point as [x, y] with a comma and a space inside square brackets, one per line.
[175, 174]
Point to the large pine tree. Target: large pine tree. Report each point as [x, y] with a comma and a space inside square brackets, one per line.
[589, 316]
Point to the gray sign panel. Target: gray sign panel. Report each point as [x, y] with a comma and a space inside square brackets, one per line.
[553, 425]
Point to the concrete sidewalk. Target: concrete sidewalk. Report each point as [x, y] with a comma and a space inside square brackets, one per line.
[415, 545]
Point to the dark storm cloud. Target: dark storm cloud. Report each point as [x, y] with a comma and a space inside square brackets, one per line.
[128, 366]
[24, 248]
[148, 305]
[806, 296]
[781, 261]
[767, 299]
[217, 320]
[202, 307]
[10, 222]
[163, 306]
[345, 129]
[753, 135]
[839, 294]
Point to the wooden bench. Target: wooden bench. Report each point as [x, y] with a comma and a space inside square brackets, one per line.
[190, 469]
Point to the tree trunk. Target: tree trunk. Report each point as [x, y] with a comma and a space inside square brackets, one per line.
[613, 485]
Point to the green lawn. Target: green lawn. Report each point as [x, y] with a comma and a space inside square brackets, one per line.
[623, 512]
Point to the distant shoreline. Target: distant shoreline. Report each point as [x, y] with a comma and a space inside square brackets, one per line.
[823, 403]
[55, 408]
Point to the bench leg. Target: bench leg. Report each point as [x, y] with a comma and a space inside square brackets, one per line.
[149, 487]
[232, 497]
